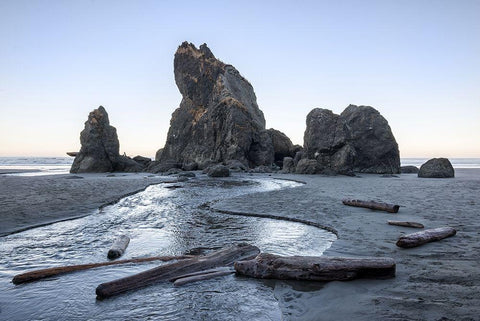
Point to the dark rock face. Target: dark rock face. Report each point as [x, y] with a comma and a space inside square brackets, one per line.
[218, 119]
[437, 168]
[100, 147]
[306, 166]
[282, 146]
[409, 169]
[357, 140]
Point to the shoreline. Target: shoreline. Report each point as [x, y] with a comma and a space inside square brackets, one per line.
[434, 281]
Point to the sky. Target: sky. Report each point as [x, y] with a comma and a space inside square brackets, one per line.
[417, 62]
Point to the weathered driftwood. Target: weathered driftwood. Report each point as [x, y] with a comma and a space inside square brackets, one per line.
[203, 275]
[223, 257]
[45, 273]
[118, 247]
[315, 268]
[372, 205]
[406, 224]
[426, 236]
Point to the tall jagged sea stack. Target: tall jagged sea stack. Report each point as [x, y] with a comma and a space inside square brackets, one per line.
[218, 118]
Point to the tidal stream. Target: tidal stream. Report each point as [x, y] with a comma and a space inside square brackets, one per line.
[165, 219]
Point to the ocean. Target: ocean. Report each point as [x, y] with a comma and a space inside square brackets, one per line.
[34, 166]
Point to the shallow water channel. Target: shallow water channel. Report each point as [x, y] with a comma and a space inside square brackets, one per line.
[165, 219]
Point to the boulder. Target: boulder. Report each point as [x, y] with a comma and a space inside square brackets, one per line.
[282, 146]
[218, 171]
[99, 150]
[288, 165]
[306, 166]
[357, 140]
[409, 169]
[162, 166]
[218, 118]
[193, 166]
[437, 168]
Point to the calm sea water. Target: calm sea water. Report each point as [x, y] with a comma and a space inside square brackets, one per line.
[61, 165]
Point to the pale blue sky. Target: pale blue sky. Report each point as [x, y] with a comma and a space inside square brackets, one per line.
[417, 62]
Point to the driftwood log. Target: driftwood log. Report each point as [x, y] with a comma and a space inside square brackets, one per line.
[406, 224]
[223, 257]
[45, 273]
[391, 208]
[426, 236]
[315, 268]
[203, 275]
[118, 247]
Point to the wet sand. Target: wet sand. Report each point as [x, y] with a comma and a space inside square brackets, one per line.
[436, 281]
[27, 202]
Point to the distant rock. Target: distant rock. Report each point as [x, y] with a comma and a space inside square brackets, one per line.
[357, 140]
[218, 171]
[218, 119]
[409, 169]
[288, 165]
[145, 161]
[306, 166]
[437, 168]
[99, 150]
[282, 146]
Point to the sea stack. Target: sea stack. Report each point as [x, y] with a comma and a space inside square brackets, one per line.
[100, 147]
[357, 140]
[218, 118]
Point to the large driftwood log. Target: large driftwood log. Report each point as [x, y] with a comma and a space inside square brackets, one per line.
[223, 257]
[406, 224]
[426, 236]
[45, 273]
[315, 268]
[372, 205]
[118, 247]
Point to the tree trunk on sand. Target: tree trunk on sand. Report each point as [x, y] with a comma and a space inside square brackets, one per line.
[118, 247]
[315, 268]
[419, 238]
[406, 224]
[223, 257]
[45, 273]
[391, 208]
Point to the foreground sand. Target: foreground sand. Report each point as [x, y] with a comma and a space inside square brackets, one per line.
[437, 281]
[27, 202]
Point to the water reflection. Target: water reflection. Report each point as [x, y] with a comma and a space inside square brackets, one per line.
[159, 221]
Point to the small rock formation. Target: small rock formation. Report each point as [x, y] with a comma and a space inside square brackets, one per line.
[218, 171]
[357, 140]
[100, 147]
[218, 119]
[437, 168]
[282, 146]
[409, 169]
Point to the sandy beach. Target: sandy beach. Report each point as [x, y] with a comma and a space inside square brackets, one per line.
[27, 202]
[436, 281]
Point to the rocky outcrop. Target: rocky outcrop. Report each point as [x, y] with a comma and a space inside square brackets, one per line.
[282, 146]
[409, 169]
[357, 140]
[437, 168]
[100, 147]
[218, 118]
